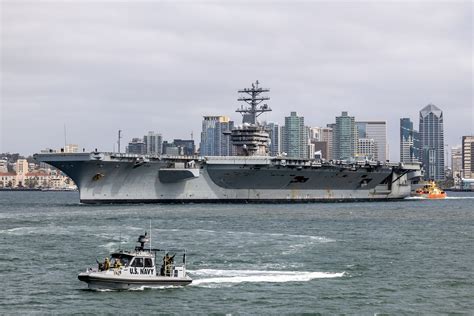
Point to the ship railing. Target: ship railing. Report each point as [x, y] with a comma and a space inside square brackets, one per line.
[153, 156]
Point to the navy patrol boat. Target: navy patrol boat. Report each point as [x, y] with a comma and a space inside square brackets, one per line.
[138, 268]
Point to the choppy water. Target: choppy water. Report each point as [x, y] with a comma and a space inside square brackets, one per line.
[405, 257]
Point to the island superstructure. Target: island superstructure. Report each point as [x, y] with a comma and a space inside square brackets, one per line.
[251, 175]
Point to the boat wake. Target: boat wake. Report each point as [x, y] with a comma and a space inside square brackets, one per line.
[138, 288]
[446, 198]
[415, 198]
[210, 277]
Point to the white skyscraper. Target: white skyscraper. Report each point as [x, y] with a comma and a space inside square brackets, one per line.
[468, 157]
[366, 149]
[153, 143]
[376, 130]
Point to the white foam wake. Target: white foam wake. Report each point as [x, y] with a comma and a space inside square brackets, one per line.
[446, 198]
[210, 276]
[415, 198]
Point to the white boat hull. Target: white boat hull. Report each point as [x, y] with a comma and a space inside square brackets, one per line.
[101, 281]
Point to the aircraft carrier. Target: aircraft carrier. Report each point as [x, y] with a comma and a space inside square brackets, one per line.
[250, 176]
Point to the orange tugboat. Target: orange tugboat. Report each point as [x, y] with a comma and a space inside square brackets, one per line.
[430, 191]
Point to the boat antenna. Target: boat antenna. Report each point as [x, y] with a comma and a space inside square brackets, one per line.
[65, 142]
[120, 239]
[119, 137]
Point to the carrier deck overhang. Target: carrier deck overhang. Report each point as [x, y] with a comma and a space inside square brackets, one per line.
[126, 178]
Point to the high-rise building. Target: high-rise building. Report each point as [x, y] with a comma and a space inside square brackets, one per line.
[456, 162]
[376, 130]
[295, 136]
[468, 157]
[153, 143]
[136, 146]
[344, 137]
[223, 140]
[71, 148]
[274, 132]
[321, 138]
[432, 142]
[215, 136]
[171, 149]
[21, 166]
[366, 149]
[21, 169]
[187, 146]
[409, 142]
[326, 135]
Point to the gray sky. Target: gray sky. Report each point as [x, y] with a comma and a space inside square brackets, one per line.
[97, 66]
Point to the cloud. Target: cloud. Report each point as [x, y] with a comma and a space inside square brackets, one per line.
[139, 66]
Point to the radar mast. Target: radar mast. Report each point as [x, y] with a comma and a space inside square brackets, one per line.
[252, 96]
[251, 139]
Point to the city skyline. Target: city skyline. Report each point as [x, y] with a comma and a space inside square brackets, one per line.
[357, 130]
[172, 64]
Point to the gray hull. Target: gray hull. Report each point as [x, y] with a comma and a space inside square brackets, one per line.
[120, 178]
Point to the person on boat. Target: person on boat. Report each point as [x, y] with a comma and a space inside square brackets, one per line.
[106, 264]
[100, 265]
[165, 264]
[117, 263]
[168, 262]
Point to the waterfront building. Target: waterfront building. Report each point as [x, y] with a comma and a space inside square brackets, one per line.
[326, 135]
[366, 149]
[314, 133]
[3, 165]
[468, 157]
[432, 142]
[344, 137]
[409, 142]
[222, 138]
[310, 151]
[274, 132]
[153, 143]
[136, 146]
[171, 149]
[7, 180]
[321, 149]
[456, 163]
[376, 130]
[187, 145]
[295, 137]
[71, 148]
[215, 136]
[30, 175]
[21, 166]
[321, 138]
[36, 179]
[21, 169]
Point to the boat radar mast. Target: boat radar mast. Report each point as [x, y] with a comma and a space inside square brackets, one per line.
[251, 139]
[253, 99]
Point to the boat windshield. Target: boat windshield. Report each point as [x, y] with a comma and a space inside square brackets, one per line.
[124, 259]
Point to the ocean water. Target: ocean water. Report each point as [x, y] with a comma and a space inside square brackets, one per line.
[413, 256]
